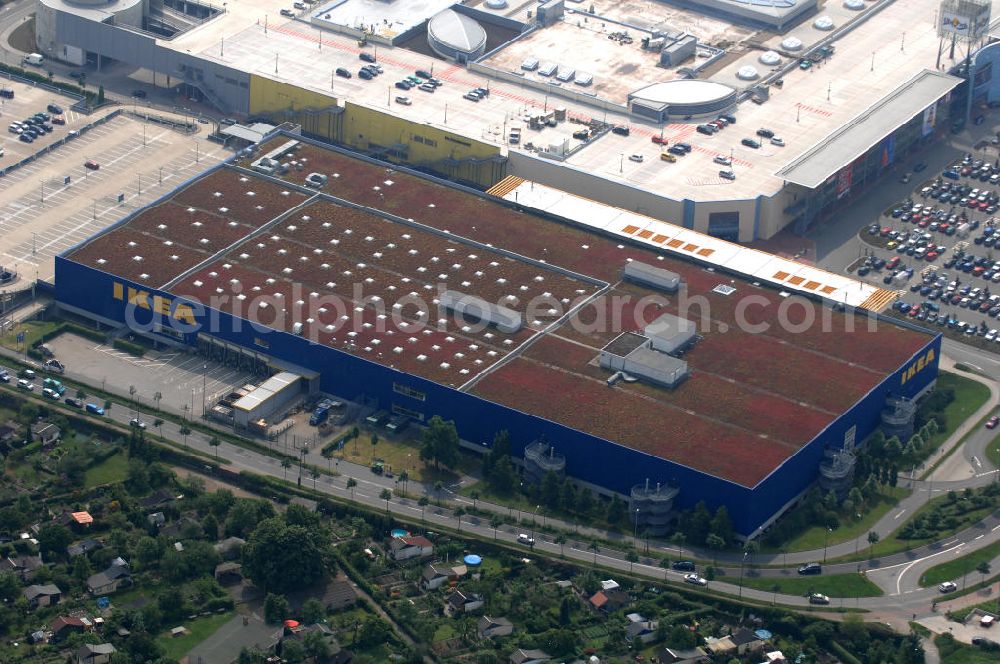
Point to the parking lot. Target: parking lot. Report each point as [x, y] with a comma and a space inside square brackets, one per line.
[56, 202]
[180, 378]
[28, 101]
[937, 248]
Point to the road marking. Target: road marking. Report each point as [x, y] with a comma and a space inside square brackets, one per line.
[900, 514]
[951, 542]
[979, 538]
[909, 565]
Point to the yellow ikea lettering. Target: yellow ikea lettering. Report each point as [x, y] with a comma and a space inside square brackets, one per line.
[156, 303]
[922, 362]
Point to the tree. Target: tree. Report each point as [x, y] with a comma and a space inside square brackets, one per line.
[171, 604]
[313, 611]
[678, 539]
[503, 478]
[280, 558]
[107, 405]
[316, 646]
[550, 489]
[775, 587]
[137, 477]
[186, 431]
[210, 526]
[158, 424]
[722, 525]
[857, 497]
[100, 95]
[351, 483]
[440, 442]
[374, 632]
[716, 544]
[54, 539]
[424, 501]
[275, 609]
[293, 651]
[698, 523]
[983, 568]
[681, 637]
[495, 523]
[459, 513]
[595, 547]
[567, 497]
[386, 495]
[872, 541]
[585, 502]
[214, 443]
[82, 569]
[374, 442]
[561, 540]
[245, 514]
[665, 564]
[616, 511]
[475, 497]
[632, 557]
[565, 611]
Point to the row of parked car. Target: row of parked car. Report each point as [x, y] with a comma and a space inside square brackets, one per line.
[962, 195]
[916, 242]
[977, 169]
[935, 220]
[39, 124]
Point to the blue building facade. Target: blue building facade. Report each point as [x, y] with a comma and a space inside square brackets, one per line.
[604, 463]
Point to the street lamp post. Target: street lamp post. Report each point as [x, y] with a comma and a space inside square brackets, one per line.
[537, 507]
[742, 563]
[826, 537]
[635, 527]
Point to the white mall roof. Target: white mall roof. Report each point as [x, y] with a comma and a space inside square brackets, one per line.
[683, 92]
[668, 238]
[873, 124]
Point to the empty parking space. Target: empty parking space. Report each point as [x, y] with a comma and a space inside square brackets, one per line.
[180, 378]
[57, 202]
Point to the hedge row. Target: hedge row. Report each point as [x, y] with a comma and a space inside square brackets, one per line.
[40, 78]
[129, 347]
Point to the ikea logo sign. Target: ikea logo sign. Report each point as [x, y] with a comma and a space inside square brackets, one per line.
[155, 303]
[925, 360]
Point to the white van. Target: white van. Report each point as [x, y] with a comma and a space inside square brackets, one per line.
[35, 59]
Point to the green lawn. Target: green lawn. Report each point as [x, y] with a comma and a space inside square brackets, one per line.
[444, 632]
[953, 652]
[110, 470]
[814, 537]
[953, 569]
[893, 544]
[198, 630]
[993, 452]
[970, 395]
[33, 330]
[834, 585]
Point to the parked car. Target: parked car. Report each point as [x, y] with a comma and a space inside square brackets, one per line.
[343, 73]
[750, 143]
[403, 99]
[948, 587]
[995, 420]
[621, 130]
[91, 164]
[636, 158]
[367, 57]
[139, 94]
[76, 403]
[54, 108]
[811, 568]
[818, 598]
[525, 539]
[683, 565]
[137, 423]
[94, 409]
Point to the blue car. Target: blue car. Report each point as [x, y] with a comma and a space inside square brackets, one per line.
[951, 175]
[95, 409]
